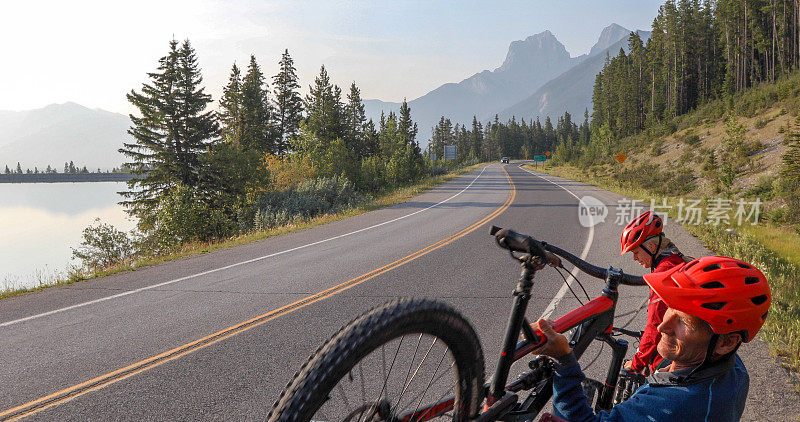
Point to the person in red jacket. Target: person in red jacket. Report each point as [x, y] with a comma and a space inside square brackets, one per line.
[644, 236]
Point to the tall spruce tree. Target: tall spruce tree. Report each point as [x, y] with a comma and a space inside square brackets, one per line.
[171, 133]
[324, 109]
[230, 115]
[288, 103]
[257, 131]
[356, 119]
[406, 127]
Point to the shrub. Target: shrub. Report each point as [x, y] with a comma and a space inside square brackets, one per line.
[103, 245]
[761, 123]
[691, 139]
[304, 201]
[658, 148]
[183, 216]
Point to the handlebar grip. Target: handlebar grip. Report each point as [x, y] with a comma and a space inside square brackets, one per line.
[517, 242]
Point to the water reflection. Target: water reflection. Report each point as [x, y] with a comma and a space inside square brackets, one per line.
[40, 222]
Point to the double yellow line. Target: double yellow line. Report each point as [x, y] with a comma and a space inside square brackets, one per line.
[97, 383]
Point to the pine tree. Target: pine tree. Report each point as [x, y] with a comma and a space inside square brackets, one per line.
[257, 132]
[288, 103]
[19, 168]
[355, 119]
[230, 115]
[171, 133]
[8, 171]
[406, 127]
[477, 137]
[324, 109]
[790, 174]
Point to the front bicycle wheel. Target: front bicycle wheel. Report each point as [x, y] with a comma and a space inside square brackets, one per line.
[407, 360]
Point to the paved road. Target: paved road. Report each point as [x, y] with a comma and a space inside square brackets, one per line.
[217, 336]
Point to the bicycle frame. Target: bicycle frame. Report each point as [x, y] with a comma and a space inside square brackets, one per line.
[593, 321]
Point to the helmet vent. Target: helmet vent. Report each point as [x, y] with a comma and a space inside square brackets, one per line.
[758, 300]
[714, 306]
[636, 235]
[711, 267]
[764, 317]
[658, 224]
[751, 280]
[713, 285]
[744, 266]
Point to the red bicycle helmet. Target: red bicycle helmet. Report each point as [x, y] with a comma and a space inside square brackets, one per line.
[640, 229]
[731, 295]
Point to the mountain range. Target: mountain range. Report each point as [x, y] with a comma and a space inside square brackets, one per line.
[538, 78]
[60, 133]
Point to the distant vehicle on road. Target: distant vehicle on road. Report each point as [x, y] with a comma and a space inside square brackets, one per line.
[504, 160]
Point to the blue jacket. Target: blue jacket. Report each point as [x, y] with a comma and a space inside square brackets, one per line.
[713, 393]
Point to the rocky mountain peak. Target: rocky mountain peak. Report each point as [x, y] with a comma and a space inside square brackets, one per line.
[524, 54]
[608, 37]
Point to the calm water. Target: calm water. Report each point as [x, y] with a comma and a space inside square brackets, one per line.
[40, 222]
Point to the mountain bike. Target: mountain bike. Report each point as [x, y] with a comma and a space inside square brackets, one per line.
[420, 360]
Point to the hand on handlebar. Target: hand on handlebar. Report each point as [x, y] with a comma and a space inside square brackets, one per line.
[556, 344]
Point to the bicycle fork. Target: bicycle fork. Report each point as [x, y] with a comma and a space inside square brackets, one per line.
[522, 295]
[619, 348]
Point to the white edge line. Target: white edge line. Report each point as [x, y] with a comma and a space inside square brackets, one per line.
[249, 261]
[551, 307]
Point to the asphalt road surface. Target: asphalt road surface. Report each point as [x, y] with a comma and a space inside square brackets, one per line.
[217, 336]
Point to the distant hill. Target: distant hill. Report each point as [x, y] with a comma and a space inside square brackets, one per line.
[570, 91]
[62, 132]
[529, 65]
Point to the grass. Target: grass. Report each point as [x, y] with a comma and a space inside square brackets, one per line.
[773, 249]
[74, 275]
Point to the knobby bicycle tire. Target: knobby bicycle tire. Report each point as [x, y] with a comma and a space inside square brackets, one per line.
[313, 384]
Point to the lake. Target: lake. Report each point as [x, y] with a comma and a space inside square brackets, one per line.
[41, 222]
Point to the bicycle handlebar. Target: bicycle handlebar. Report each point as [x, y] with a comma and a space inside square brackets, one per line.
[517, 242]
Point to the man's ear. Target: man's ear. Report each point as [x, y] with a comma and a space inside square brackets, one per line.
[727, 343]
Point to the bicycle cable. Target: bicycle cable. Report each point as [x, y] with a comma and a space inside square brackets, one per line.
[570, 286]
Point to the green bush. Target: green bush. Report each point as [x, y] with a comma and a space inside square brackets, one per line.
[307, 200]
[103, 245]
[657, 148]
[373, 174]
[691, 139]
[184, 216]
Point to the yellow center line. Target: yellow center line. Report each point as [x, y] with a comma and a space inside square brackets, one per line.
[101, 381]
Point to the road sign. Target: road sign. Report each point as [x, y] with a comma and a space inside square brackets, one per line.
[539, 158]
[547, 154]
[621, 157]
[450, 152]
[433, 157]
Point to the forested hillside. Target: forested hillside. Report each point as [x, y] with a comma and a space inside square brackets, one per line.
[697, 52]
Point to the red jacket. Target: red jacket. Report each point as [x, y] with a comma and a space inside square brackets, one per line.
[647, 356]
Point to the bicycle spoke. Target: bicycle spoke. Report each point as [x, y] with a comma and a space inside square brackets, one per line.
[344, 396]
[407, 381]
[432, 380]
[391, 366]
[420, 395]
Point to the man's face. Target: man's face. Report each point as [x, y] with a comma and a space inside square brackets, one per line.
[684, 338]
[642, 257]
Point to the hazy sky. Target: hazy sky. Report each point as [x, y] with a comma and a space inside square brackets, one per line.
[93, 52]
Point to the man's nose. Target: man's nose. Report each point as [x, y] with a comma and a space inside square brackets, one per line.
[664, 327]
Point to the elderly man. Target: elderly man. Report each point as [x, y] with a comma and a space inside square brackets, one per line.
[714, 304]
